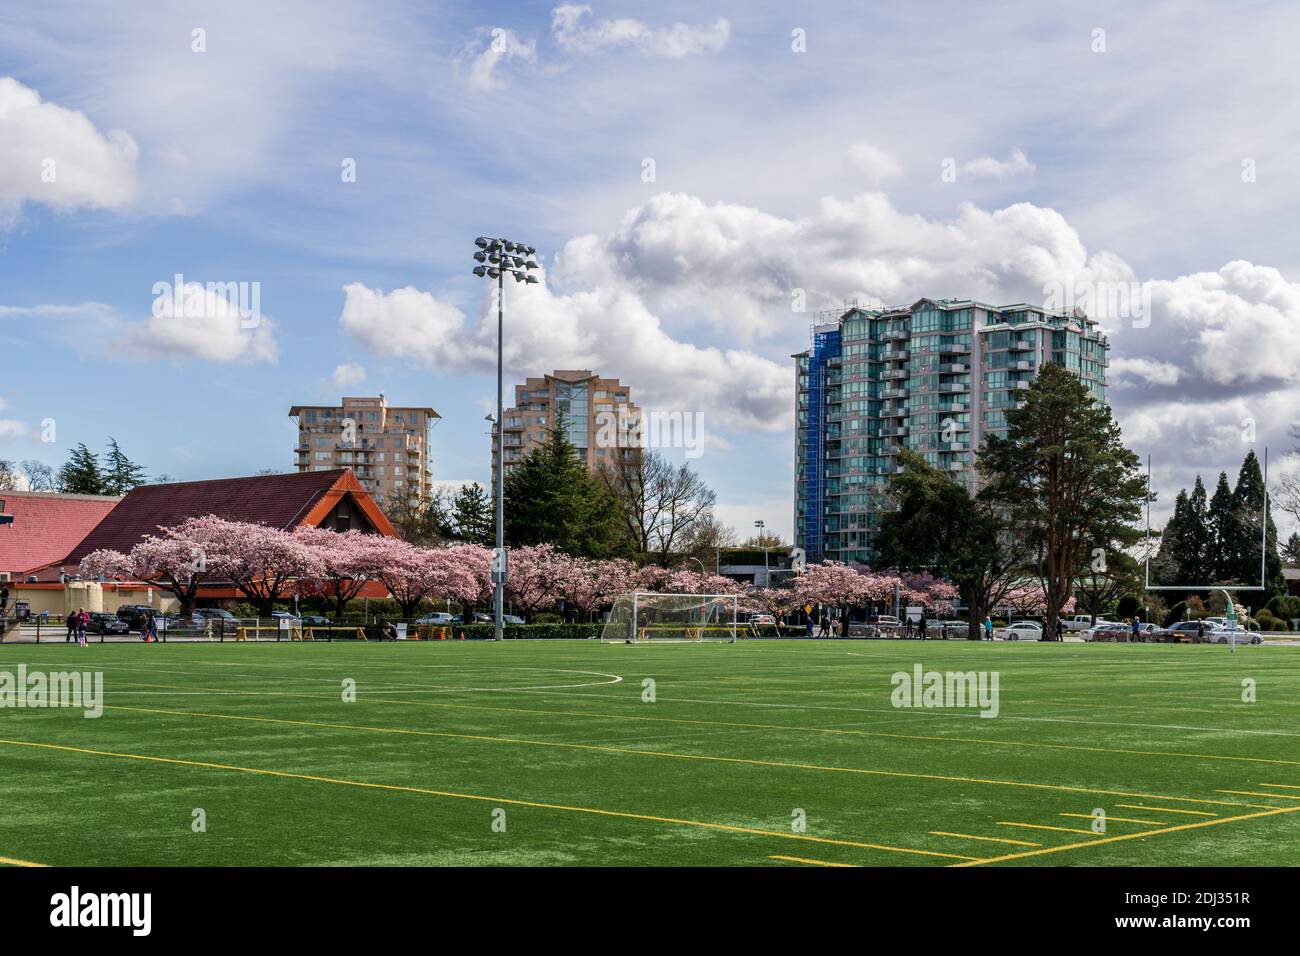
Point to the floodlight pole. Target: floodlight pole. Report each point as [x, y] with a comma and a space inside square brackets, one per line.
[499, 256]
[498, 586]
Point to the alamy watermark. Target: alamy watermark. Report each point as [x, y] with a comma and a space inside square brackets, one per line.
[211, 300]
[1130, 301]
[651, 428]
[38, 689]
[920, 688]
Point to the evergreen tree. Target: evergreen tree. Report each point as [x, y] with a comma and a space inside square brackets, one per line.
[1291, 550]
[1219, 521]
[1168, 563]
[1066, 479]
[473, 515]
[1242, 540]
[551, 498]
[81, 474]
[1198, 542]
[121, 474]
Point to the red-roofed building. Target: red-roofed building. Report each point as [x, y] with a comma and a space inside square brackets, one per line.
[46, 527]
[325, 499]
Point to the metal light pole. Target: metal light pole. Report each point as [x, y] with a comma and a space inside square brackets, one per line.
[767, 571]
[496, 258]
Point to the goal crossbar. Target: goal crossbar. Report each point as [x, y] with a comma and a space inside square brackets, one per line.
[652, 617]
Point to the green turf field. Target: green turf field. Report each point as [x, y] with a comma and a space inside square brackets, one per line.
[443, 736]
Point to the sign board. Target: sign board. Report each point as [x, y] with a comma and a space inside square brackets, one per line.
[284, 623]
[913, 614]
[500, 566]
[22, 610]
[401, 630]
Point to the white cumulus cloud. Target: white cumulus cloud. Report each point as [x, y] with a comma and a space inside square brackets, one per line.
[574, 31]
[55, 156]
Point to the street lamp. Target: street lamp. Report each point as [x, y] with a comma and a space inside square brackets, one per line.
[496, 258]
[767, 573]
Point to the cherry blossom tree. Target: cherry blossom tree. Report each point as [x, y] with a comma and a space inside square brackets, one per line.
[535, 573]
[175, 560]
[586, 586]
[264, 564]
[347, 562]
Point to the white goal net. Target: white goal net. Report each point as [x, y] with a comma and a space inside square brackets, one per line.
[646, 617]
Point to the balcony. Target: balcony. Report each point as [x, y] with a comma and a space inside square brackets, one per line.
[894, 355]
[894, 373]
[897, 412]
[897, 335]
[954, 348]
[953, 368]
[1023, 345]
[896, 431]
[1020, 365]
[954, 388]
[894, 393]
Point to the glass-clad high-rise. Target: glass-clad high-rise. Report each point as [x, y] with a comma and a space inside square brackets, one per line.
[935, 377]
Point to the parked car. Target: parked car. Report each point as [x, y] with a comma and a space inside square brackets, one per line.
[762, 619]
[438, 619]
[285, 615]
[481, 618]
[1185, 631]
[1229, 635]
[1106, 631]
[885, 620]
[134, 615]
[201, 615]
[1021, 631]
[1082, 622]
[315, 620]
[104, 623]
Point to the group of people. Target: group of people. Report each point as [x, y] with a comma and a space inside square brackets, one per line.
[77, 623]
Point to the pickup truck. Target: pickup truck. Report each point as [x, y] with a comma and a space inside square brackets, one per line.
[1081, 622]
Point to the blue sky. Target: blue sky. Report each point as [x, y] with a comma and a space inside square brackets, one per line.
[1162, 150]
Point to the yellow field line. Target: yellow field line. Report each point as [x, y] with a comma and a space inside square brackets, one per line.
[1134, 806]
[983, 741]
[621, 814]
[10, 861]
[744, 761]
[1088, 816]
[800, 859]
[1040, 826]
[971, 836]
[1258, 793]
[1133, 836]
[1288, 786]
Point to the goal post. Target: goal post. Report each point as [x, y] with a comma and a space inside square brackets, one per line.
[646, 617]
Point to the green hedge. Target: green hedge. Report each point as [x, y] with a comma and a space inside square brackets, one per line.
[512, 631]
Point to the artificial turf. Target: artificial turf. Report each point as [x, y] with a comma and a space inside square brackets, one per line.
[739, 741]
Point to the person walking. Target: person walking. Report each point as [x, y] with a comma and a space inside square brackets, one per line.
[922, 627]
[988, 628]
[70, 619]
[1200, 631]
[825, 629]
[83, 621]
[1060, 629]
[1135, 631]
[809, 626]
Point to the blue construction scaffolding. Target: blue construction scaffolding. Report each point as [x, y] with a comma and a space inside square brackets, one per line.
[824, 347]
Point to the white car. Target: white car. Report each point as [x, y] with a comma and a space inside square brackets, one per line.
[1022, 631]
[1224, 635]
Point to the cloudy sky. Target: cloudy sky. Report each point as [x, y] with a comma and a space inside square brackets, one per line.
[690, 174]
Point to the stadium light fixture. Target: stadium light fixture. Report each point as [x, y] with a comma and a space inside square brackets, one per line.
[513, 258]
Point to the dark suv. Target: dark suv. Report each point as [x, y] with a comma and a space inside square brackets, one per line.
[134, 616]
[102, 622]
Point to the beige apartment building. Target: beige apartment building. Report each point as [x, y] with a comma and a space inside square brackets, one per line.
[386, 446]
[599, 417]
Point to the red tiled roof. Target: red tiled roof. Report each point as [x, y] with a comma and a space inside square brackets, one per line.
[46, 526]
[281, 501]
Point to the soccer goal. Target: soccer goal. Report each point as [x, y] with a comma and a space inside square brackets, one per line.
[642, 616]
